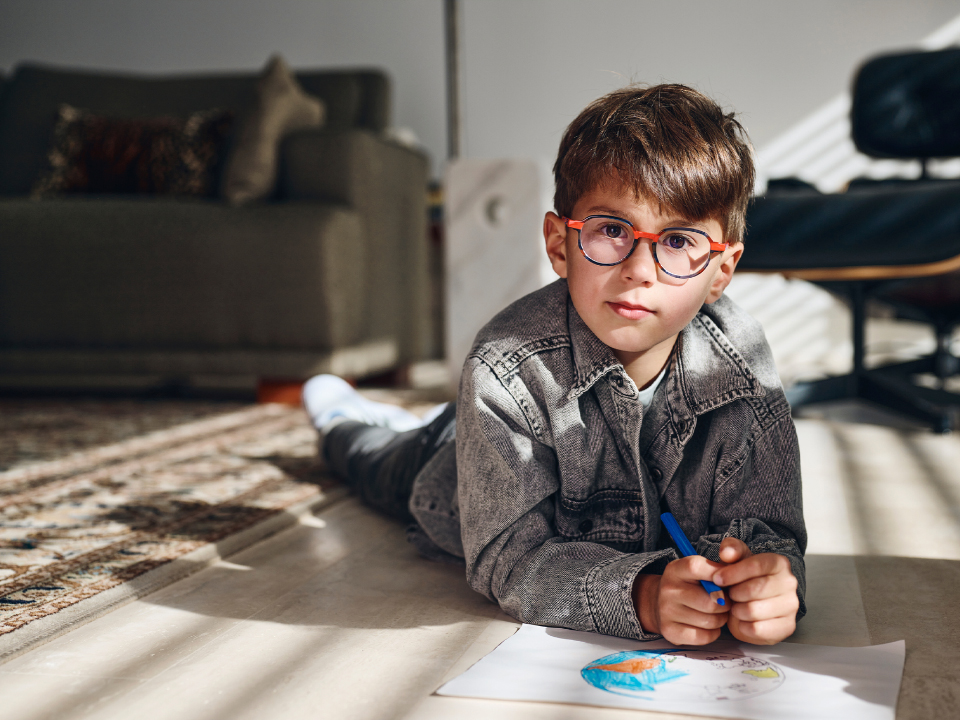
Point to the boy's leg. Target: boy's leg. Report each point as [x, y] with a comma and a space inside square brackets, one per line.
[377, 448]
[380, 464]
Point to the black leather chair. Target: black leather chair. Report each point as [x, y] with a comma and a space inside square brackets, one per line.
[894, 240]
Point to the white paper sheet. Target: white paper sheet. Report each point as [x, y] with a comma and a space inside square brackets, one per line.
[724, 679]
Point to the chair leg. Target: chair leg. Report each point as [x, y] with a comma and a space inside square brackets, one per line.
[942, 362]
[918, 366]
[933, 407]
[945, 362]
[936, 408]
[888, 386]
[838, 387]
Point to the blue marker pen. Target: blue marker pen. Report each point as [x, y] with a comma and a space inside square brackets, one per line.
[686, 549]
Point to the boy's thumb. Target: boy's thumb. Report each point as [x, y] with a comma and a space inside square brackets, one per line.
[733, 550]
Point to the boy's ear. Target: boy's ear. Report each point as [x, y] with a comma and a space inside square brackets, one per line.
[555, 236]
[728, 263]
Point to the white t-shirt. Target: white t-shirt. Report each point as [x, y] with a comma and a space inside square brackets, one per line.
[646, 395]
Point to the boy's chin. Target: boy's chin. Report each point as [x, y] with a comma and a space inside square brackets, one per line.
[630, 351]
[629, 341]
[635, 350]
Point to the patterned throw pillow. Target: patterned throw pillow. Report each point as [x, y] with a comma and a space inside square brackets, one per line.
[151, 156]
[282, 106]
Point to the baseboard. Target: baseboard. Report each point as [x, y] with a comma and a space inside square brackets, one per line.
[183, 372]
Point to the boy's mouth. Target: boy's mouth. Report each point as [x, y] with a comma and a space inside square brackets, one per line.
[630, 311]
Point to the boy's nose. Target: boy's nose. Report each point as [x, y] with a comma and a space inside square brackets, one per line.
[640, 266]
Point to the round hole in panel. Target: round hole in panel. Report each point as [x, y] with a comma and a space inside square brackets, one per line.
[496, 210]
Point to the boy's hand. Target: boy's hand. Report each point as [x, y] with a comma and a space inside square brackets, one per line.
[676, 605]
[763, 590]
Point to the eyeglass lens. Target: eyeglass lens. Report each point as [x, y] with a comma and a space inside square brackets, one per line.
[680, 252]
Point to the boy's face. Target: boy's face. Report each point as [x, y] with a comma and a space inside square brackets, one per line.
[634, 307]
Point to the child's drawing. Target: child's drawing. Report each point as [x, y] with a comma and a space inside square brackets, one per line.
[683, 675]
[727, 679]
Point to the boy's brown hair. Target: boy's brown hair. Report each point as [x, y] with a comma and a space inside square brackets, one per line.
[668, 143]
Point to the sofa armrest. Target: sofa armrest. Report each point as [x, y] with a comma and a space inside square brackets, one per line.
[386, 183]
[341, 166]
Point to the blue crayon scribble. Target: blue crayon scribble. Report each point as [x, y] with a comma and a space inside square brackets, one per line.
[626, 673]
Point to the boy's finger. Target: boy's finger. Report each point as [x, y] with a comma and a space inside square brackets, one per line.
[691, 594]
[763, 587]
[694, 568]
[680, 634]
[688, 592]
[763, 632]
[694, 618]
[751, 567]
[697, 598]
[754, 611]
[733, 550]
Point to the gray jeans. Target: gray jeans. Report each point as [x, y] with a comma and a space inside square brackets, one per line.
[380, 464]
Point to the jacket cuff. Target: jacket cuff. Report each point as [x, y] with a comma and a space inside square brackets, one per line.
[609, 591]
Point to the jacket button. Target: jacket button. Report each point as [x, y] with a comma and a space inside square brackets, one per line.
[586, 526]
[657, 475]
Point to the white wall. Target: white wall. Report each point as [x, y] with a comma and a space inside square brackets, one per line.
[403, 36]
[529, 65]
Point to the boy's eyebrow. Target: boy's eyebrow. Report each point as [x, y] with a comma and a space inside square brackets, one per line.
[695, 224]
[603, 210]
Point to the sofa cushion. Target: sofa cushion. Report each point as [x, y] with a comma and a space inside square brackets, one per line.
[281, 107]
[33, 94]
[160, 156]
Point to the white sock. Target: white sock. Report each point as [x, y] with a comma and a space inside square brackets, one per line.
[330, 400]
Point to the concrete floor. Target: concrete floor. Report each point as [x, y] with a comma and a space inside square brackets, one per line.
[338, 617]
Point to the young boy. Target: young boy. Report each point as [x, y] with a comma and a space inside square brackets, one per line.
[628, 388]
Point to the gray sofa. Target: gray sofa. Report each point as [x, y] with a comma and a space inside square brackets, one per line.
[330, 275]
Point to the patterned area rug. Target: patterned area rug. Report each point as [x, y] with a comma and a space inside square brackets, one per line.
[99, 527]
[37, 429]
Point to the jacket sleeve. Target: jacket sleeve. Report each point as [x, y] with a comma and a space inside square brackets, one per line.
[507, 484]
[757, 499]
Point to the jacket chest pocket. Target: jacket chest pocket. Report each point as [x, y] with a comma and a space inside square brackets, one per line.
[611, 517]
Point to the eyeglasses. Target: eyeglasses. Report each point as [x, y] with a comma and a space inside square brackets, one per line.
[680, 252]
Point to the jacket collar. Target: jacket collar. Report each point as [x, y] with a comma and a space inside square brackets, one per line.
[707, 370]
[592, 359]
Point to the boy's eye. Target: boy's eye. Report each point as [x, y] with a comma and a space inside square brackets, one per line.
[676, 241]
[614, 231]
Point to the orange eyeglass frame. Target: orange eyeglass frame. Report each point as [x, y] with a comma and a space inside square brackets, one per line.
[714, 246]
[578, 226]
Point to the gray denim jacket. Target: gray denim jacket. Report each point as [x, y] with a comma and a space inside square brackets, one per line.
[554, 492]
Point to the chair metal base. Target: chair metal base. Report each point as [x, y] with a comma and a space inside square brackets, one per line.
[941, 364]
[890, 386]
[887, 387]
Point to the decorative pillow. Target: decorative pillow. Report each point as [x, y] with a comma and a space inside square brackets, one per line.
[159, 156]
[282, 107]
